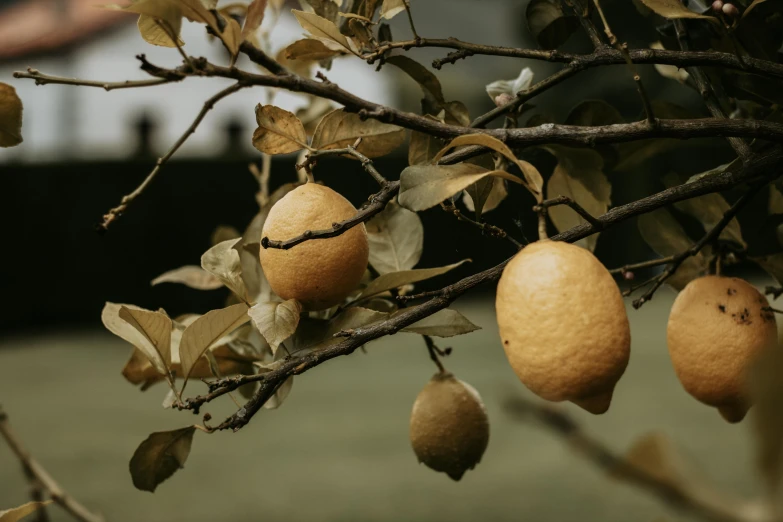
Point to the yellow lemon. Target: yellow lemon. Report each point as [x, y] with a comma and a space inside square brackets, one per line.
[717, 326]
[563, 324]
[319, 273]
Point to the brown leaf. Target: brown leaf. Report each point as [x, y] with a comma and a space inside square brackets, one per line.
[533, 180]
[190, 275]
[444, 323]
[310, 49]
[279, 131]
[10, 116]
[254, 18]
[18, 513]
[276, 321]
[485, 195]
[206, 331]
[154, 32]
[160, 456]
[110, 316]
[405, 277]
[424, 186]
[339, 129]
[563, 216]
[322, 29]
[155, 328]
[396, 238]
[391, 8]
[422, 148]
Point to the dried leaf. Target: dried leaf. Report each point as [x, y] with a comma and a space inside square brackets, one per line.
[153, 32]
[207, 330]
[110, 316]
[709, 210]
[673, 9]
[533, 179]
[563, 216]
[18, 513]
[424, 186]
[310, 49]
[444, 323]
[667, 237]
[422, 148]
[396, 238]
[548, 24]
[222, 261]
[190, 275]
[485, 195]
[254, 18]
[391, 8]
[322, 29]
[155, 328]
[397, 279]
[279, 131]
[276, 321]
[159, 457]
[10, 116]
[339, 129]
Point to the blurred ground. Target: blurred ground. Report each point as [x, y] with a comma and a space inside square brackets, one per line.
[338, 448]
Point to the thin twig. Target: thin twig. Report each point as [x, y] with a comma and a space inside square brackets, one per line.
[34, 469]
[583, 13]
[45, 79]
[117, 211]
[407, 4]
[434, 352]
[623, 49]
[707, 90]
[374, 205]
[564, 200]
[487, 228]
[644, 264]
[350, 150]
[713, 234]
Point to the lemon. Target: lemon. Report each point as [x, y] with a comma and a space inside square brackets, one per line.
[449, 428]
[319, 273]
[717, 326]
[563, 324]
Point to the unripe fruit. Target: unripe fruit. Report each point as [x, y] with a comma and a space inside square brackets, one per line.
[563, 324]
[717, 326]
[449, 426]
[321, 272]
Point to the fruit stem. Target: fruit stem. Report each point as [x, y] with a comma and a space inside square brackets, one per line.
[434, 351]
[542, 224]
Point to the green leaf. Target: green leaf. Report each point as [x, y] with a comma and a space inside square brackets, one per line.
[190, 275]
[396, 238]
[338, 129]
[674, 9]
[279, 131]
[10, 116]
[276, 321]
[667, 238]
[406, 277]
[159, 457]
[444, 323]
[222, 261]
[548, 24]
[18, 513]
[533, 180]
[709, 210]
[206, 331]
[424, 186]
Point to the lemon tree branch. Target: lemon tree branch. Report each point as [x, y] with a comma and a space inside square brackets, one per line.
[760, 169]
[41, 477]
